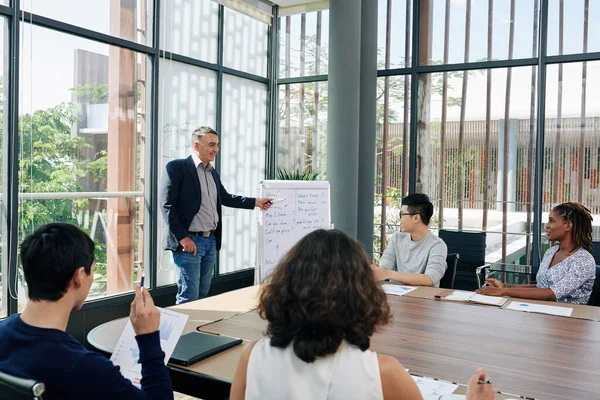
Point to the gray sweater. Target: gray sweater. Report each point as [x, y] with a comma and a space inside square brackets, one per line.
[427, 256]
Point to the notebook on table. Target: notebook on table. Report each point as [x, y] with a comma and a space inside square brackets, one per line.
[196, 346]
[470, 297]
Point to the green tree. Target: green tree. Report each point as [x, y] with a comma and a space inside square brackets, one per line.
[50, 161]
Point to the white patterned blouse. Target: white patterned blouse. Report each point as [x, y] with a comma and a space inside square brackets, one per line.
[572, 279]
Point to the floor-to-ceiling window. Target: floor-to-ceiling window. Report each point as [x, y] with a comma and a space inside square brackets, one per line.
[302, 110]
[106, 93]
[473, 96]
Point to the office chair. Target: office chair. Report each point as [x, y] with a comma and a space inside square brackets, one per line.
[14, 388]
[595, 296]
[447, 281]
[596, 252]
[471, 247]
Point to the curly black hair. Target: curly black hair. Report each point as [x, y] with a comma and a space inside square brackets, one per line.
[323, 291]
[581, 218]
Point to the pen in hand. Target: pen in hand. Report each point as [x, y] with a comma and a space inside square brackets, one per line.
[142, 283]
[275, 200]
[484, 381]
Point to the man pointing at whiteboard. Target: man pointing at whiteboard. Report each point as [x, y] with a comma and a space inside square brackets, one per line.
[191, 196]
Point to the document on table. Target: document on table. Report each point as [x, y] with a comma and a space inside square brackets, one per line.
[432, 389]
[471, 297]
[126, 353]
[397, 289]
[539, 308]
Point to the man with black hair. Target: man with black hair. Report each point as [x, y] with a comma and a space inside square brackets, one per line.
[414, 256]
[58, 263]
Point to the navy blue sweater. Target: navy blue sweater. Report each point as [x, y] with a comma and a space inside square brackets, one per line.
[70, 371]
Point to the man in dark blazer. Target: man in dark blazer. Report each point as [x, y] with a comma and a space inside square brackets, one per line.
[191, 196]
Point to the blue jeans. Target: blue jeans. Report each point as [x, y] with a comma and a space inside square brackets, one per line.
[194, 272]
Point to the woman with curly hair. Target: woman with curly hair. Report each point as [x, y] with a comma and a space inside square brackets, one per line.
[568, 270]
[323, 304]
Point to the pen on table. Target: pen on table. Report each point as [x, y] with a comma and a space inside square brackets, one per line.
[484, 381]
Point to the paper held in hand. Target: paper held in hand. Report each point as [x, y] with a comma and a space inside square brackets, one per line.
[470, 297]
[126, 353]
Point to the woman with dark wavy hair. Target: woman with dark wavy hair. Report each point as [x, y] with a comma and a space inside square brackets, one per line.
[323, 304]
[568, 270]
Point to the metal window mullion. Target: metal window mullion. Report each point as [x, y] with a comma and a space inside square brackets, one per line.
[11, 162]
[414, 97]
[530, 155]
[152, 150]
[219, 101]
[272, 96]
[539, 154]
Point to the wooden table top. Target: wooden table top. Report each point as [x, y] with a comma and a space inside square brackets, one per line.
[533, 355]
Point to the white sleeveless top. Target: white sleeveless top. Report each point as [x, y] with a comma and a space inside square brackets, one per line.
[276, 373]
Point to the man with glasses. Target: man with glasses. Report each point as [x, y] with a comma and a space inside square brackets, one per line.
[191, 196]
[414, 256]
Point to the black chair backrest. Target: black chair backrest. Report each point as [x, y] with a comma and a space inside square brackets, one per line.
[595, 297]
[13, 388]
[471, 247]
[447, 281]
[596, 253]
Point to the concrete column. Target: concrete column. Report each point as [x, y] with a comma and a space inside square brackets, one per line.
[351, 121]
[344, 112]
[367, 134]
[511, 196]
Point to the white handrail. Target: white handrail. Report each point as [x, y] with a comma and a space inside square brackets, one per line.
[77, 195]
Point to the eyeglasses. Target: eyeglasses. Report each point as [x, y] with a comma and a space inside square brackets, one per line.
[402, 214]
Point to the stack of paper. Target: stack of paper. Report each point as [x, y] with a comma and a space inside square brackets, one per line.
[539, 308]
[471, 297]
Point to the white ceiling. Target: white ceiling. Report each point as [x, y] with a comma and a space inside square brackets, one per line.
[287, 3]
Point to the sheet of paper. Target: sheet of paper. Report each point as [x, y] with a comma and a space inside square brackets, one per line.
[432, 389]
[126, 352]
[397, 289]
[453, 397]
[458, 295]
[493, 300]
[539, 308]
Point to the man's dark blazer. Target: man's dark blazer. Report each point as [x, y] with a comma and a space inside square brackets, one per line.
[180, 199]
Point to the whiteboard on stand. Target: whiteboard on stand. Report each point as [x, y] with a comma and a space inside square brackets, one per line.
[300, 207]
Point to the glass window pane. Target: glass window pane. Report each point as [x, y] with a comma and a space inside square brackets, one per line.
[399, 34]
[391, 174]
[4, 292]
[304, 44]
[190, 28]
[469, 130]
[79, 161]
[126, 19]
[245, 43]
[242, 156]
[187, 100]
[302, 135]
[474, 17]
[568, 22]
[572, 138]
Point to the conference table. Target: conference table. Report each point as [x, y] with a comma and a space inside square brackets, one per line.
[526, 354]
